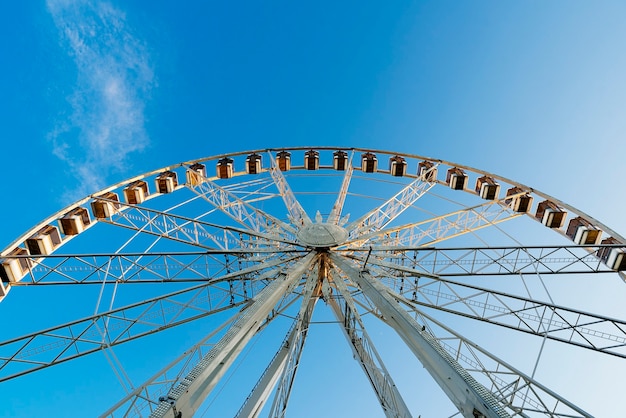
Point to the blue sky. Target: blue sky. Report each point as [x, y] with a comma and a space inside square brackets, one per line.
[94, 93]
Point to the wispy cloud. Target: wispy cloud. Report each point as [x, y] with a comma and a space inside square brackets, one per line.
[114, 81]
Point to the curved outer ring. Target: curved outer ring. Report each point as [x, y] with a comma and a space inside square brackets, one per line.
[56, 216]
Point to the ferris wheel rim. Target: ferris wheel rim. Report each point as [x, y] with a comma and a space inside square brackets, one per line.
[82, 201]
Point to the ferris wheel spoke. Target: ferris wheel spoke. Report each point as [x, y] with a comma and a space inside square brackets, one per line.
[381, 216]
[486, 261]
[149, 267]
[519, 393]
[188, 394]
[191, 231]
[240, 210]
[282, 370]
[75, 339]
[464, 391]
[335, 214]
[567, 325]
[344, 309]
[146, 398]
[440, 228]
[297, 214]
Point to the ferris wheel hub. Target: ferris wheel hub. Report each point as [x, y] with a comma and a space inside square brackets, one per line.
[322, 235]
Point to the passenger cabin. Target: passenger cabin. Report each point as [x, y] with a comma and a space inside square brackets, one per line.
[397, 166]
[166, 182]
[44, 241]
[456, 178]
[427, 170]
[550, 214]
[340, 160]
[312, 160]
[613, 257]
[582, 232]
[75, 221]
[136, 192]
[196, 173]
[369, 162]
[14, 269]
[105, 205]
[253, 164]
[520, 201]
[283, 160]
[487, 188]
[225, 168]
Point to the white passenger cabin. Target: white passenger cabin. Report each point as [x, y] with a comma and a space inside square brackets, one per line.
[166, 182]
[369, 162]
[427, 170]
[520, 201]
[340, 160]
[196, 173]
[102, 208]
[136, 192]
[397, 166]
[224, 168]
[75, 221]
[550, 214]
[312, 160]
[487, 188]
[456, 178]
[582, 232]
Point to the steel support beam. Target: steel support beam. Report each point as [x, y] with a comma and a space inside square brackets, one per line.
[284, 364]
[241, 211]
[519, 392]
[486, 261]
[335, 213]
[191, 231]
[65, 342]
[567, 325]
[345, 311]
[440, 228]
[378, 218]
[297, 214]
[189, 394]
[470, 397]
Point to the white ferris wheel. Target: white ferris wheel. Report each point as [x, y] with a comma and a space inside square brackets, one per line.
[455, 263]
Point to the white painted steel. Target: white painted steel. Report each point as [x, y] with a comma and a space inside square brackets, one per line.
[380, 252]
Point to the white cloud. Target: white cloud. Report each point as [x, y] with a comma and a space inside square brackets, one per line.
[114, 80]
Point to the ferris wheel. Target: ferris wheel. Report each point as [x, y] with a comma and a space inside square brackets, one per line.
[462, 268]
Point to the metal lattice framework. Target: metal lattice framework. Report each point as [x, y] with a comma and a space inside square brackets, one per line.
[454, 261]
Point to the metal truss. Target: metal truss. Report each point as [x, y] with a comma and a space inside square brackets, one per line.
[191, 231]
[241, 211]
[519, 393]
[146, 398]
[255, 402]
[344, 308]
[189, 393]
[381, 216]
[487, 261]
[470, 397]
[335, 214]
[245, 247]
[65, 342]
[567, 325]
[297, 214]
[295, 345]
[143, 399]
[440, 228]
[149, 267]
